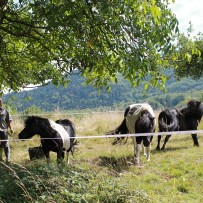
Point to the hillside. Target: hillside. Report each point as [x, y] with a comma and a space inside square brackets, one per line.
[78, 96]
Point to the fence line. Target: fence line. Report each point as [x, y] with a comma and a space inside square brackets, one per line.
[119, 135]
[105, 136]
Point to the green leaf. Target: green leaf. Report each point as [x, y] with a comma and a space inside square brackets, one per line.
[146, 86]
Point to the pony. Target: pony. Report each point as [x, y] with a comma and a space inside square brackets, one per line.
[138, 118]
[186, 118]
[58, 136]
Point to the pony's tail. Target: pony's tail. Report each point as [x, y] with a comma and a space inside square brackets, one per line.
[121, 129]
[73, 147]
[119, 140]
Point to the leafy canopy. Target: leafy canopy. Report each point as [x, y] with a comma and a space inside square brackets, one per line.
[188, 55]
[47, 40]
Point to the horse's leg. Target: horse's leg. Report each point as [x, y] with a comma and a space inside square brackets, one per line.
[60, 155]
[148, 149]
[147, 145]
[134, 145]
[158, 143]
[144, 150]
[67, 154]
[47, 157]
[46, 153]
[151, 138]
[137, 147]
[1, 153]
[195, 140]
[165, 141]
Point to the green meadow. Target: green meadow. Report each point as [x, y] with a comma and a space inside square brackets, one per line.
[102, 173]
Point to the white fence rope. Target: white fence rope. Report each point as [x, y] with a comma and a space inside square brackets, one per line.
[105, 136]
[118, 135]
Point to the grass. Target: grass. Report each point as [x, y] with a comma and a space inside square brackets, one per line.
[100, 172]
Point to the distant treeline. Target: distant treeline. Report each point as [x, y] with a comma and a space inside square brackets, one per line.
[79, 96]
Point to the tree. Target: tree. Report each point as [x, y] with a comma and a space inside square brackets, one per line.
[46, 40]
[188, 55]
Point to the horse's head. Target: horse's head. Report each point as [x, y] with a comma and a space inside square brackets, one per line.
[193, 104]
[145, 123]
[30, 128]
[194, 109]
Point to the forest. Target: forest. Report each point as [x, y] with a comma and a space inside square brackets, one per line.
[78, 96]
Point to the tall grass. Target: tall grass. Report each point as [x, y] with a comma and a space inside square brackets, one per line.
[100, 172]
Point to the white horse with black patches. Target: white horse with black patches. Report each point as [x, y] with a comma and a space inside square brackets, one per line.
[56, 136]
[138, 118]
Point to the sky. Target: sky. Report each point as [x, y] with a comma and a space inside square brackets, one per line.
[189, 10]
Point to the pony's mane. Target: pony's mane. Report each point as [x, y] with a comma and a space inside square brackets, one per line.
[31, 119]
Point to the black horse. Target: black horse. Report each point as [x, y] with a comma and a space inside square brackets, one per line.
[186, 118]
[56, 136]
[138, 118]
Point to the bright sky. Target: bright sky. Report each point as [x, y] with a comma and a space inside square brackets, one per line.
[189, 10]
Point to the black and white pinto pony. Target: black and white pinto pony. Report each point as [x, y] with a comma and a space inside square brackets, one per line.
[57, 136]
[187, 118]
[138, 118]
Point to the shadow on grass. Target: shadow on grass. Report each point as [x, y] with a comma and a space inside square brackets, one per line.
[170, 149]
[123, 163]
[116, 164]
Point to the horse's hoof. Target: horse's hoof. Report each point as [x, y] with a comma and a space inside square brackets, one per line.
[158, 148]
[163, 148]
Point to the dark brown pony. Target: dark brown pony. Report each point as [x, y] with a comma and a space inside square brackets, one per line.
[183, 119]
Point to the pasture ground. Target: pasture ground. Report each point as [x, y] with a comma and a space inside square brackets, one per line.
[100, 172]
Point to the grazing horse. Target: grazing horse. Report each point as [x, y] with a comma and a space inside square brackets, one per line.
[186, 118]
[56, 136]
[138, 118]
